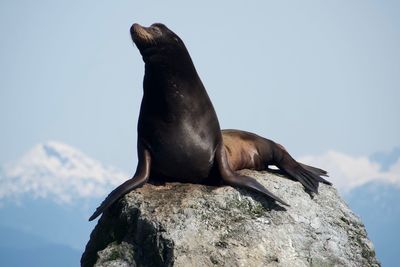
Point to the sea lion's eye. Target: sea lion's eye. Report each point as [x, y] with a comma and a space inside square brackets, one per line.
[157, 29]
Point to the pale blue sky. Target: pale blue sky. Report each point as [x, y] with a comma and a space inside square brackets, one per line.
[313, 75]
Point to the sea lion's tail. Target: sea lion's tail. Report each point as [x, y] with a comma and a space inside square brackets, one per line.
[308, 176]
[117, 193]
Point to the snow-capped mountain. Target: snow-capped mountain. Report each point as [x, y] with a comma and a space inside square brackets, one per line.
[49, 193]
[56, 171]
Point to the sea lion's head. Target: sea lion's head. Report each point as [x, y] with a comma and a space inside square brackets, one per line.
[158, 44]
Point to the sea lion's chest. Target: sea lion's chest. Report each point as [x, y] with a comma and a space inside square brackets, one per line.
[182, 139]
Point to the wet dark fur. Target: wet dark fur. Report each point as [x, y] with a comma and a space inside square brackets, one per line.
[179, 137]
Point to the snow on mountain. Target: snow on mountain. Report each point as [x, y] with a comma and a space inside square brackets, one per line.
[57, 171]
[348, 172]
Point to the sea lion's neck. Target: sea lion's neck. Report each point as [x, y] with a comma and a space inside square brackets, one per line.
[168, 91]
[168, 79]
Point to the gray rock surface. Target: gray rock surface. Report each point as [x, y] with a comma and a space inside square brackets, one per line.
[195, 225]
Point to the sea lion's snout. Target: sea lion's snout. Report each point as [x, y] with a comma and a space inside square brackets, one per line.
[141, 34]
[135, 27]
[145, 35]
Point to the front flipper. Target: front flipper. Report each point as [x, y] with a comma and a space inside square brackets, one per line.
[233, 179]
[141, 176]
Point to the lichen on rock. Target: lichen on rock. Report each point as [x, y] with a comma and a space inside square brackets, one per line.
[196, 225]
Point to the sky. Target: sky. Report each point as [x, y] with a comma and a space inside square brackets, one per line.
[315, 76]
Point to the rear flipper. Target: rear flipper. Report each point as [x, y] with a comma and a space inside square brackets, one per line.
[141, 176]
[316, 171]
[308, 176]
[233, 179]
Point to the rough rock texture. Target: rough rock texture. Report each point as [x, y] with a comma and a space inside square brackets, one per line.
[195, 225]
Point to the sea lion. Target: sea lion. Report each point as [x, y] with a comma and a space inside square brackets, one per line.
[179, 137]
[247, 150]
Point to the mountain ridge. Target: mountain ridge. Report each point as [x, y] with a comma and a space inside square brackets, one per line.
[57, 171]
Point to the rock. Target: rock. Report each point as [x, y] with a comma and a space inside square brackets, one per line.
[196, 225]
